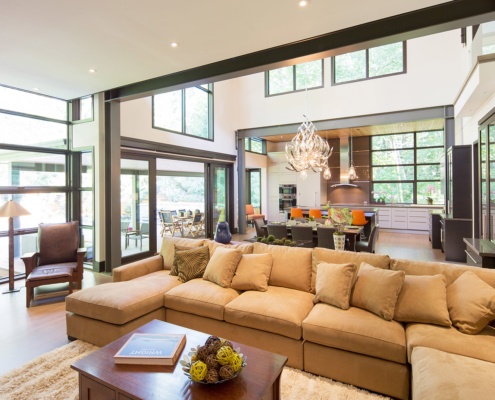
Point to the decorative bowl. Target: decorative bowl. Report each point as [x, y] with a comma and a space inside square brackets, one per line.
[210, 366]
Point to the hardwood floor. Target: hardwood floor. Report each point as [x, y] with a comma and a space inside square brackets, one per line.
[29, 332]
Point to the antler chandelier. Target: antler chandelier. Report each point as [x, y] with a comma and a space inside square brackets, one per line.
[307, 151]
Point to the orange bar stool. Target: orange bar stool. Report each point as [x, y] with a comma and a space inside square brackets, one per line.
[296, 213]
[315, 213]
[358, 219]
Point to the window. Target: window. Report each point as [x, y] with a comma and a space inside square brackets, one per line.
[253, 192]
[371, 63]
[188, 111]
[82, 109]
[294, 78]
[405, 167]
[255, 145]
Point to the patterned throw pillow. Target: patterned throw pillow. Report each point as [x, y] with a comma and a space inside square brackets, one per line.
[192, 263]
[173, 270]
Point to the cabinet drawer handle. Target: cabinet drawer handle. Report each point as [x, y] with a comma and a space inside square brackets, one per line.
[469, 255]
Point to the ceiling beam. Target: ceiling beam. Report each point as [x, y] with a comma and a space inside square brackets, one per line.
[439, 18]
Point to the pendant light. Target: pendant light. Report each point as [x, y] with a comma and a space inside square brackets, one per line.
[352, 170]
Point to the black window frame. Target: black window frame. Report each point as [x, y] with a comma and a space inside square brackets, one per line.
[404, 67]
[211, 133]
[75, 111]
[294, 90]
[415, 165]
[249, 140]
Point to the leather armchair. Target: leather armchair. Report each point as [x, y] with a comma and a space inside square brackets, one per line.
[58, 247]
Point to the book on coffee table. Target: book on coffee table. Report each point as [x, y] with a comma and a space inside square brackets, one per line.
[151, 349]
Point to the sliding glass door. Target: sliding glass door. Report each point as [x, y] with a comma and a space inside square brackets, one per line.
[220, 194]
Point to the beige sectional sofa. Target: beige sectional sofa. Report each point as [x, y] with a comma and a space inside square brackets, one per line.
[359, 318]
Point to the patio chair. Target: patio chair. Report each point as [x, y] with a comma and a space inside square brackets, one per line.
[195, 226]
[167, 223]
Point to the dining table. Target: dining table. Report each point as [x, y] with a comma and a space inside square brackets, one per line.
[352, 232]
[181, 221]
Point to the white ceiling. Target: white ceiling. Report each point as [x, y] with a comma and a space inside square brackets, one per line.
[51, 44]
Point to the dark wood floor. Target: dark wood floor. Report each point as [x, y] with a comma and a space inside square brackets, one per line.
[29, 332]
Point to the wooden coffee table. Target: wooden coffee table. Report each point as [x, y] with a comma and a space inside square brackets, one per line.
[101, 378]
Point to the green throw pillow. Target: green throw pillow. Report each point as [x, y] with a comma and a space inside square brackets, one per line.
[192, 263]
[173, 270]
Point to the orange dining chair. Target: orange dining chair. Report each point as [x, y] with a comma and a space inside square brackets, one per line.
[296, 213]
[315, 213]
[358, 219]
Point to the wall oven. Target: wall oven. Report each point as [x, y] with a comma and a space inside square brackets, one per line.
[287, 196]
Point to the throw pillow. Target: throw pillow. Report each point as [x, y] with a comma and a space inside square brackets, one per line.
[334, 283]
[423, 298]
[222, 265]
[192, 263]
[253, 272]
[377, 289]
[173, 270]
[471, 303]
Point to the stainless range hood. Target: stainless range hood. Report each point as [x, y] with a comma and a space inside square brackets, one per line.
[344, 165]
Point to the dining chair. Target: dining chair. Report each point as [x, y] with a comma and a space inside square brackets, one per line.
[359, 219]
[302, 235]
[168, 223]
[325, 237]
[279, 231]
[258, 225]
[368, 246]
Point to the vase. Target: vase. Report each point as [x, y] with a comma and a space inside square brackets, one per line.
[222, 234]
[339, 241]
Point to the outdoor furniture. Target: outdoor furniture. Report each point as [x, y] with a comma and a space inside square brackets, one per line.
[196, 226]
[302, 235]
[167, 223]
[143, 232]
[58, 255]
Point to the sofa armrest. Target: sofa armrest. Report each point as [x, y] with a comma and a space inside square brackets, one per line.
[138, 268]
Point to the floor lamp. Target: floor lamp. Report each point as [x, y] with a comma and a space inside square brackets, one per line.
[12, 209]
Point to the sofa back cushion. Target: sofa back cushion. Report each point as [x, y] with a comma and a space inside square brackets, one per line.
[222, 266]
[245, 248]
[167, 250]
[343, 257]
[450, 271]
[291, 266]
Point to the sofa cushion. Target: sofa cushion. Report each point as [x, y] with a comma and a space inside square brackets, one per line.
[334, 283]
[471, 303]
[377, 290]
[121, 302]
[423, 299]
[449, 270]
[449, 339]
[440, 375]
[253, 272]
[191, 264]
[174, 271]
[291, 266]
[355, 330]
[342, 257]
[278, 310]
[167, 250]
[245, 248]
[200, 297]
[222, 265]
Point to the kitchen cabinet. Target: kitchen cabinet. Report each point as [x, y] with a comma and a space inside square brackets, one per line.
[399, 218]
[434, 229]
[311, 191]
[452, 234]
[459, 182]
[385, 217]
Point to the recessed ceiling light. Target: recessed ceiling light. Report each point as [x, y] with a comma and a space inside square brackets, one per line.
[303, 3]
[92, 70]
[174, 44]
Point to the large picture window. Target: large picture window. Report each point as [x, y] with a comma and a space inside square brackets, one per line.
[370, 63]
[294, 78]
[405, 167]
[188, 111]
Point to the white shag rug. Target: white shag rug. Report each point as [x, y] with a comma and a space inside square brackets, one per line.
[49, 377]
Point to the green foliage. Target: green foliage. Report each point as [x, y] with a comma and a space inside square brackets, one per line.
[276, 242]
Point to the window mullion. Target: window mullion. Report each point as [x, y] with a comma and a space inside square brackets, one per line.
[183, 106]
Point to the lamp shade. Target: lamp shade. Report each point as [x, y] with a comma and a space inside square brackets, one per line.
[12, 209]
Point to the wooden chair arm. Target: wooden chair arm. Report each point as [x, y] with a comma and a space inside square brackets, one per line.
[30, 261]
